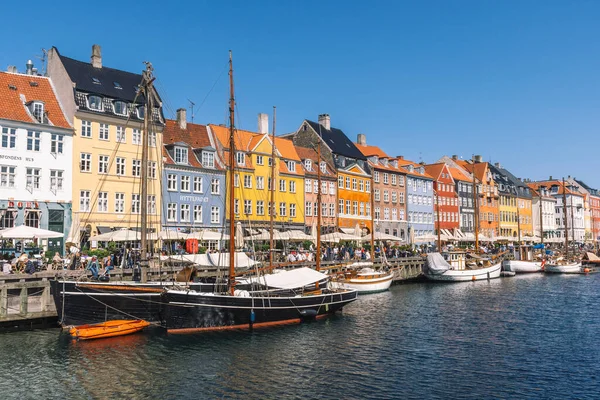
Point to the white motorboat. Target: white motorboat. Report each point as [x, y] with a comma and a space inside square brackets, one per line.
[366, 280]
[566, 268]
[520, 267]
[438, 269]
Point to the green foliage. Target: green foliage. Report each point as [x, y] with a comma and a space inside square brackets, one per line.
[202, 250]
[306, 244]
[100, 253]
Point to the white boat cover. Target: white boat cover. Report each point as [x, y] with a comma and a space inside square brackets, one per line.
[436, 264]
[295, 278]
[214, 259]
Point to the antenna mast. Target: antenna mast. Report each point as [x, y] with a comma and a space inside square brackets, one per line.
[192, 104]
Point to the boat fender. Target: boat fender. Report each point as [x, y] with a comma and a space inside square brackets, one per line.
[252, 316]
[308, 314]
[241, 293]
[473, 278]
[586, 270]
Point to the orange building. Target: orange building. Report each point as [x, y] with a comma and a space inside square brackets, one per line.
[487, 196]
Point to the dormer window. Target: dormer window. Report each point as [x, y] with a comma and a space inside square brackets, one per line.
[120, 107]
[384, 161]
[395, 163]
[323, 167]
[308, 165]
[95, 103]
[291, 166]
[208, 159]
[37, 109]
[411, 168]
[181, 155]
[421, 170]
[96, 81]
[117, 85]
[240, 158]
[141, 112]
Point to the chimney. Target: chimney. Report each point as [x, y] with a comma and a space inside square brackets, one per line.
[29, 67]
[477, 158]
[361, 139]
[263, 123]
[550, 178]
[12, 69]
[96, 56]
[497, 165]
[325, 121]
[454, 157]
[182, 118]
[400, 157]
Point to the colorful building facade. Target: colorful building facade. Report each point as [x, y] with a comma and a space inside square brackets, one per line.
[446, 206]
[193, 179]
[389, 190]
[419, 201]
[35, 156]
[107, 112]
[352, 169]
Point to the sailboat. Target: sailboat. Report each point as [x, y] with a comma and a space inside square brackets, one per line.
[524, 255]
[188, 311]
[564, 265]
[463, 266]
[367, 279]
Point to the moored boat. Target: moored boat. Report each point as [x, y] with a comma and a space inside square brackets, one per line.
[566, 268]
[521, 267]
[366, 280]
[107, 329]
[438, 269]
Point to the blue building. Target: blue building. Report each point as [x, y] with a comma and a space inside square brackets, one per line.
[193, 186]
[419, 201]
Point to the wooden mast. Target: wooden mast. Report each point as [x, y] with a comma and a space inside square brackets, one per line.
[541, 216]
[476, 204]
[318, 253]
[272, 192]
[565, 214]
[147, 88]
[437, 217]
[231, 281]
[372, 217]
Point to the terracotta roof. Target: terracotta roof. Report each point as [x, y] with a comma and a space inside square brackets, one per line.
[14, 87]
[403, 163]
[480, 169]
[551, 183]
[434, 169]
[371, 151]
[458, 175]
[286, 148]
[243, 139]
[194, 135]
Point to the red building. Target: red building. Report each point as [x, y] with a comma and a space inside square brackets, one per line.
[445, 198]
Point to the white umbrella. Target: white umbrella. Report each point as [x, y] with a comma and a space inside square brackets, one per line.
[338, 236]
[357, 230]
[208, 235]
[75, 231]
[172, 235]
[28, 232]
[121, 235]
[298, 236]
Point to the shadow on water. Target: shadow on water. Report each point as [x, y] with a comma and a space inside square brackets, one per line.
[531, 336]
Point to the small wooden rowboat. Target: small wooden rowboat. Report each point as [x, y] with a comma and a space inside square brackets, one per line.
[107, 329]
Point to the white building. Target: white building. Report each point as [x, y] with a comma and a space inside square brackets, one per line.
[548, 205]
[35, 155]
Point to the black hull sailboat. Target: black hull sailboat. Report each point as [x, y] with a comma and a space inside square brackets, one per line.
[91, 302]
[188, 311]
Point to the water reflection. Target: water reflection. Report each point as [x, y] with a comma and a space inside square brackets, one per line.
[532, 336]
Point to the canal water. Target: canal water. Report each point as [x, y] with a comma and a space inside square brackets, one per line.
[527, 337]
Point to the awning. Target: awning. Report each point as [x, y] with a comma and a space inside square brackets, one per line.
[349, 231]
[54, 206]
[103, 229]
[292, 279]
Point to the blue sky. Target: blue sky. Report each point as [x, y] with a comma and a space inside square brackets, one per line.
[515, 81]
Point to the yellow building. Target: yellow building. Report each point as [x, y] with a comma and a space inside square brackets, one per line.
[514, 204]
[107, 113]
[526, 216]
[507, 211]
[252, 183]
